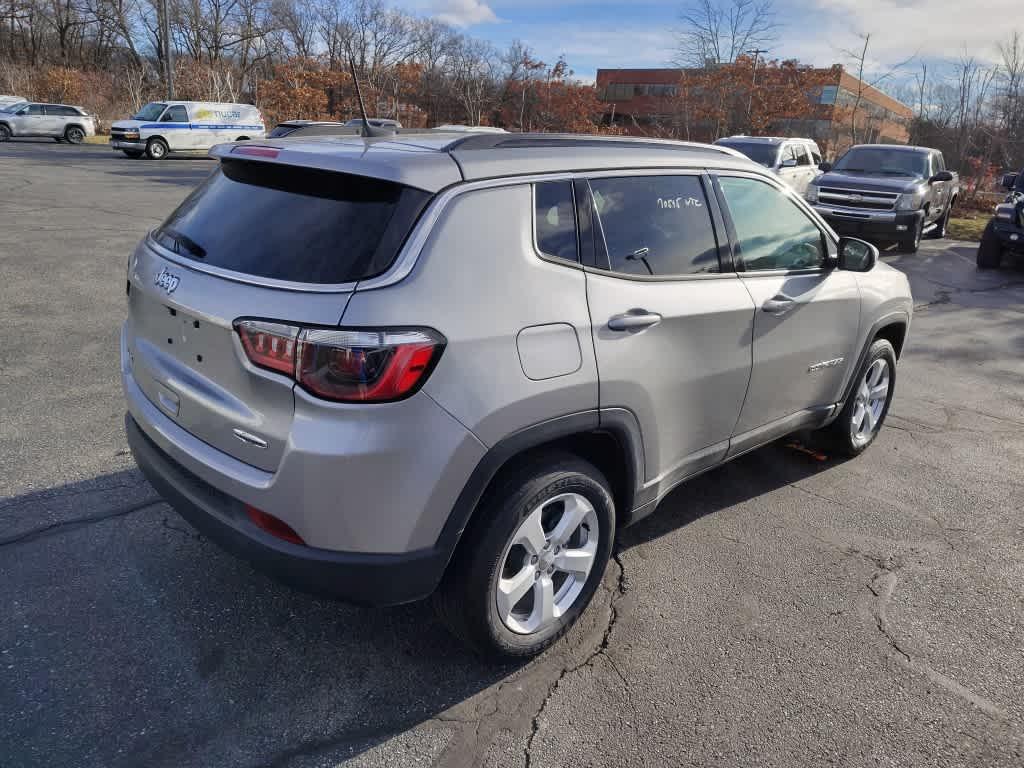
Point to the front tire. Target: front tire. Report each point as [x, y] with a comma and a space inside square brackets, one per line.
[910, 245]
[74, 135]
[864, 412]
[531, 562]
[156, 149]
[939, 232]
[5, 133]
[990, 250]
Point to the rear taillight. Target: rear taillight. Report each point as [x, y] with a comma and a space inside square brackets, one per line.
[346, 365]
[269, 345]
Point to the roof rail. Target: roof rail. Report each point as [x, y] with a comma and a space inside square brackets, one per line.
[481, 141]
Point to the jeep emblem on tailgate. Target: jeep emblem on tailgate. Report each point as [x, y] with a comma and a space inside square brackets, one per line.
[167, 281]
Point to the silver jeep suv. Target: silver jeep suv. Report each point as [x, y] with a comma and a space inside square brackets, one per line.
[61, 122]
[455, 364]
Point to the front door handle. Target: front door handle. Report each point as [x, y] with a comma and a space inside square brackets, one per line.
[779, 305]
[633, 320]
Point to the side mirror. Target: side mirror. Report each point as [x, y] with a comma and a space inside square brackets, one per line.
[856, 255]
[941, 176]
[789, 162]
[1008, 180]
[826, 167]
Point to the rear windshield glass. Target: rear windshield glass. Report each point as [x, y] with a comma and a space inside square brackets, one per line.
[765, 154]
[296, 224]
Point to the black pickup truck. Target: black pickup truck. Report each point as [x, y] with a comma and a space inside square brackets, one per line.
[1005, 232]
[886, 192]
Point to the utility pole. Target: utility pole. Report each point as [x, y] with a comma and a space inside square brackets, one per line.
[753, 82]
[165, 24]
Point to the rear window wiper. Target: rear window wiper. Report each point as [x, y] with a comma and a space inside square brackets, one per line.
[179, 243]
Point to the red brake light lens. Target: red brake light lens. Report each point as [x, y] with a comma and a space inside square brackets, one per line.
[358, 366]
[255, 151]
[269, 345]
[366, 366]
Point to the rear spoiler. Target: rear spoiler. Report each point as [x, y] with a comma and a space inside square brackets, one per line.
[428, 170]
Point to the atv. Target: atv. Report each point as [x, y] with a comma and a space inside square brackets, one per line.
[1005, 232]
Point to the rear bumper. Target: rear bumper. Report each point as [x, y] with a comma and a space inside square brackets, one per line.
[378, 579]
[888, 225]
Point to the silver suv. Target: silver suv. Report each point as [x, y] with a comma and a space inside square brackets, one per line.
[457, 363]
[58, 121]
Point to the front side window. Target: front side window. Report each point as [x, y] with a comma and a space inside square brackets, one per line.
[816, 155]
[36, 109]
[656, 225]
[802, 157]
[555, 214]
[771, 231]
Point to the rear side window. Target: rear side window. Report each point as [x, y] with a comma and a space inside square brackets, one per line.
[656, 225]
[175, 114]
[555, 214]
[296, 224]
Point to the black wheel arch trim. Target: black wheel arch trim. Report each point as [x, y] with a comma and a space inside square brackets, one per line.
[619, 422]
[895, 318]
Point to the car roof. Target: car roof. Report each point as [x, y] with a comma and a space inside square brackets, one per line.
[763, 139]
[436, 159]
[898, 147]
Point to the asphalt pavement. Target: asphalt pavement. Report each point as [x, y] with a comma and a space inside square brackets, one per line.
[781, 610]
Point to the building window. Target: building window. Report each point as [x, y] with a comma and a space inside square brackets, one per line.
[828, 94]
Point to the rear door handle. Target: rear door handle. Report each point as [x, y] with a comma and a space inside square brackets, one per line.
[779, 305]
[633, 320]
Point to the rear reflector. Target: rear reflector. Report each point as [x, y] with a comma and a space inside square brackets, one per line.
[251, 151]
[345, 365]
[273, 525]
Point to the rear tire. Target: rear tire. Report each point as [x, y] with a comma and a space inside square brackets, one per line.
[242, 138]
[490, 592]
[134, 154]
[860, 421]
[74, 135]
[990, 250]
[156, 149]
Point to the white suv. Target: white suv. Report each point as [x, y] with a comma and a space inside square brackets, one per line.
[795, 161]
[61, 122]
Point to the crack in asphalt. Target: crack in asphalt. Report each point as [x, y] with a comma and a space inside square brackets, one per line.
[944, 294]
[622, 586]
[882, 586]
[54, 528]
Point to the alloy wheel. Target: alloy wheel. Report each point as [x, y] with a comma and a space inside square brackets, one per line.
[872, 395]
[547, 562]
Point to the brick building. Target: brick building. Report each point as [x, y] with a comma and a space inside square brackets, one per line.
[648, 102]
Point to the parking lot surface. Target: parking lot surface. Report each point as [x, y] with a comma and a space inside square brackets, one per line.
[782, 610]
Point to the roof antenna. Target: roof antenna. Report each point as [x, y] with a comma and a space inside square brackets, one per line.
[368, 130]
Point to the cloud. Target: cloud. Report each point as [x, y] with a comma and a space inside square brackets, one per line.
[946, 28]
[462, 13]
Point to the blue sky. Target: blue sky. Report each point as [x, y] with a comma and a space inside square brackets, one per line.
[606, 33]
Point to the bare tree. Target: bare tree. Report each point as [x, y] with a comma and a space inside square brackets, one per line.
[858, 58]
[719, 31]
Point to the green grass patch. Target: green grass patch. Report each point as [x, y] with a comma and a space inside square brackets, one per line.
[967, 228]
